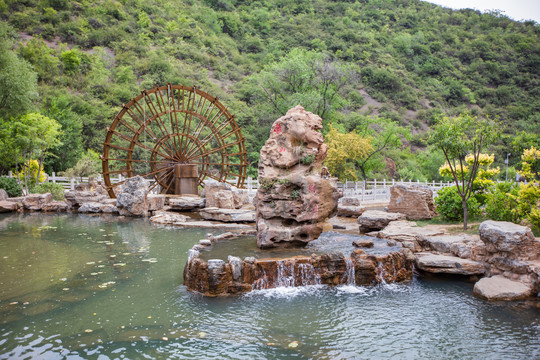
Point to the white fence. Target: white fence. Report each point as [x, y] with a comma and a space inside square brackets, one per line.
[372, 192]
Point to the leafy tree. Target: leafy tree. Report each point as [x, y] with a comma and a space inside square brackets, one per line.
[311, 79]
[18, 81]
[458, 137]
[87, 166]
[345, 152]
[530, 164]
[29, 137]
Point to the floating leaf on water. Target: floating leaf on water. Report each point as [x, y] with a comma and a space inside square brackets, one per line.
[112, 256]
[119, 264]
[88, 330]
[26, 303]
[126, 254]
[149, 317]
[63, 279]
[101, 266]
[5, 257]
[151, 260]
[65, 289]
[94, 274]
[201, 334]
[94, 314]
[271, 344]
[101, 229]
[13, 303]
[165, 338]
[90, 263]
[122, 327]
[293, 345]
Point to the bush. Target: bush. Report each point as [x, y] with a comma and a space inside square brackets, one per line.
[449, 205]
[10, 185]
[57, 190]
[502, 201]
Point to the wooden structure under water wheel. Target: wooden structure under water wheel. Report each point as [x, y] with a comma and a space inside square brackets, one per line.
[174, 136]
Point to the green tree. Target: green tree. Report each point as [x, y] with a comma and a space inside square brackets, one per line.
[18, 81]
[458, 137]
[29, 137]
[345, 152]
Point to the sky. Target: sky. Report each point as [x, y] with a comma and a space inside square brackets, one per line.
[515, 9]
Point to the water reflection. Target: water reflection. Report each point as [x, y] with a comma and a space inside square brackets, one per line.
[147, 313]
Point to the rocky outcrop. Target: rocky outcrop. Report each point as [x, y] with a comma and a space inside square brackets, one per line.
[55, 206]
[293, 199]
[445, 264]
[500, 288]
[408, 234]
[173, 218]
[223, 195]
[75, 199]
[463, 245]
[132, 197]
[8, 206]
[218, 277]
[350, 207]
[34, 202]
[512, 252]
[90, 207]
[3, 195]
[186, 202]
[228, 215]
[415, 201]
[372, 220]
[509, 240]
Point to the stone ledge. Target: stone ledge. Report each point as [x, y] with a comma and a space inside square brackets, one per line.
[500, 288]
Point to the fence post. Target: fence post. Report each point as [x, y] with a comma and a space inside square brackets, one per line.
[72, 184]
[250, 183]
[10, 174]
[393, 182]
[417, 182]
[410, 182]
[53, 177]
[355, 187]
[384, 183]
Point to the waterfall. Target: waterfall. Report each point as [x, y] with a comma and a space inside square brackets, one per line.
[308, 275]
[380, 271]
[350, 275]
[285, 274]
[261, 283]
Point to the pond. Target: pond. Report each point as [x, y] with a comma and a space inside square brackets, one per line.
[87, 287]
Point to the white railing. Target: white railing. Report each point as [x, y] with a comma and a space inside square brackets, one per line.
[372, 191]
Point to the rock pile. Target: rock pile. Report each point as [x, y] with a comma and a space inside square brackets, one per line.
[415, 201]
[293, 199]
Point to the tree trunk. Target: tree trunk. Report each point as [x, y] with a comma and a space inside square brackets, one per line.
[464, 203]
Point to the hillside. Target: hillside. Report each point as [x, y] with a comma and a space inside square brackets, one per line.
[411, 61]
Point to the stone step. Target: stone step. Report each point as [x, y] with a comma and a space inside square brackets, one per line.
[446, 264]
[500, 288]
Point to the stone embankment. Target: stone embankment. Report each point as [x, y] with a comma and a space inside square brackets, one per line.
[216, 277]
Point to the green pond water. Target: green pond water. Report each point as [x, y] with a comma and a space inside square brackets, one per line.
[86, 287]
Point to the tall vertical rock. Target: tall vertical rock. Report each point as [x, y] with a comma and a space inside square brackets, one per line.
[293, 199]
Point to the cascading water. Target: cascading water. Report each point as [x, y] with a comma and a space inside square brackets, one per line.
[308, 275]
[381, 271]
[261, 283]
[350, 275]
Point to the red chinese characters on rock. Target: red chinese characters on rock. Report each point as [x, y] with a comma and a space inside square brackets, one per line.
[277, 129]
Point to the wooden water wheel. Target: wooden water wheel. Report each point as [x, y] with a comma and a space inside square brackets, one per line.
[171, 126]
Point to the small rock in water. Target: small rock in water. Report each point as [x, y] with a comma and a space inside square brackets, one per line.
[338, 227]
[366, 243]
[293, 345]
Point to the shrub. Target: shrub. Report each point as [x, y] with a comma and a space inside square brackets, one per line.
[501, 202]
[449, 205]
[10, 185]
[308, 159]
[56, 190]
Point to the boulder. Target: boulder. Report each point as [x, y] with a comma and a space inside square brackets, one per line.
[132, 197]
[186, 202]
[3, 195]
[349, 201]
[75, 198]
[228, 215]
[500, 288]
[172, 218]
[415, 201]
[8, 206]
[365, 243]
[90, 207]
[445, 264]
[55, 206]
[509, 240]
[109, 208]
[463, 245]
[34, 202]
[376, 220]
[155, 202]
[350, 211]
[169, 218]
[408, 233]
[224, 199]
[293, 200]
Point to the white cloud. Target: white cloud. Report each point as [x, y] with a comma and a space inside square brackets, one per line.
[515, 9]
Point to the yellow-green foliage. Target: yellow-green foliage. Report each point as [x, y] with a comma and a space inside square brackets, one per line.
[530, 169]
[484, 171]
[344, 150]
[30, 171]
